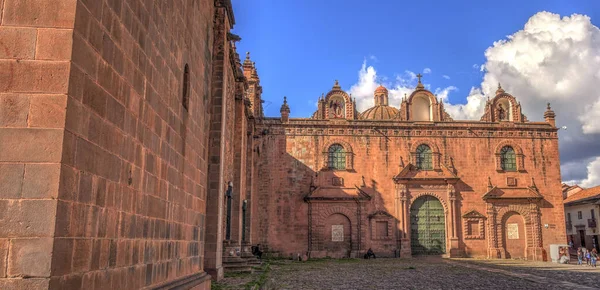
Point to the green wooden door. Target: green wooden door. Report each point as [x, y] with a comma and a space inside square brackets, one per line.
[427, 226]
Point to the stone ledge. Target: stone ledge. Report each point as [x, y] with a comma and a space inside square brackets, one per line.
[187, 282]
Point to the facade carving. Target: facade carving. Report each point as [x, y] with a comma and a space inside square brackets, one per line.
[415, 159]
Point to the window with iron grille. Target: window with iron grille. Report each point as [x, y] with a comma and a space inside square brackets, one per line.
[337, 157]
[424, 157]
[508, 159]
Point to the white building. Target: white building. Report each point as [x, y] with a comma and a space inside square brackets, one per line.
[581, 216]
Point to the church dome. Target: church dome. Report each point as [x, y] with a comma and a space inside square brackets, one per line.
[379, 113]
[381, 90]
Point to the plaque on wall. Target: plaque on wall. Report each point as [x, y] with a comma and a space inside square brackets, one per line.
[337, 233]
[337, 181]
[513, 231]
[511, 181]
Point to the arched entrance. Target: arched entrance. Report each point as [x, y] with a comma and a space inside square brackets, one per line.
[514, 239]
[427, 226]
[338, 236]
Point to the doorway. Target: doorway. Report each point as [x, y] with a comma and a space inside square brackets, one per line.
[427, 226]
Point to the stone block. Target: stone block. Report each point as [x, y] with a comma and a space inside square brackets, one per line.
[62, 255]
[41, 180]
[54, 44]
[84, 56]
[30, 145]
[48, 111]
[27, 218]
[11, 180]
[14, 110]
[34, 76]
[24, 284]
[18, 43]
[82, 255]
[4, 244]
[39, 13]
[30, 257]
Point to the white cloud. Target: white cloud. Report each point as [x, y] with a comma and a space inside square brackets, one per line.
[593, 174]
[556, 60]
[427, 70]
[446, 77]
[373, 58]
[552, 59]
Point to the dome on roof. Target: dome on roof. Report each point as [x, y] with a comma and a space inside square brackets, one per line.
[381, 89]
[379, 113]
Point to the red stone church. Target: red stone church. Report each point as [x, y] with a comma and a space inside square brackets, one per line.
[410, 180]
[134, 154]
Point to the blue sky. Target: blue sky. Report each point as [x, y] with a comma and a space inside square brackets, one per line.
[301, 46]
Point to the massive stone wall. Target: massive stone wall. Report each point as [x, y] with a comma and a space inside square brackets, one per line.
[35, 53]
[102, 169]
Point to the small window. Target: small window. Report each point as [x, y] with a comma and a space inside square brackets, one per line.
[508, 159]
[473, 228]
[186, 88]
[424, 157]
[381, 229]
[569, 216]
[593, 214]
[337, 157]
[579, 216]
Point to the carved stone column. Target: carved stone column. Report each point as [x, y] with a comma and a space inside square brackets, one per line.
[454, 248]
[494, 252]
[536, 252]
[405, 251]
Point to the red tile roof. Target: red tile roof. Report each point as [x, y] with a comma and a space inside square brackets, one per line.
[586, 193]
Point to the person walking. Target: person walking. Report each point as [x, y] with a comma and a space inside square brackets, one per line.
[588, 257]
[594, 257]
[579, 256]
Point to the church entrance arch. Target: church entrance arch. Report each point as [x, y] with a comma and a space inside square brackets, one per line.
[514, 236]
[338, 236]
[427, 226]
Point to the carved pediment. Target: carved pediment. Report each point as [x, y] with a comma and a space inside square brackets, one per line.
[380, 213]
[512, 193]
[473, 214]
[329, 193]
[411, 172]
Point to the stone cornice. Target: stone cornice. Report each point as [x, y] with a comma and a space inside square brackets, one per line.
[472, 129]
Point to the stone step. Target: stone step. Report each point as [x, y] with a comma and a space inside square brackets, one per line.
[237, 268]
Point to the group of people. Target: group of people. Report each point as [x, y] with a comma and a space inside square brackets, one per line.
[589, 257]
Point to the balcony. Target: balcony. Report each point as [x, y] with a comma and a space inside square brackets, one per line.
[592, 223]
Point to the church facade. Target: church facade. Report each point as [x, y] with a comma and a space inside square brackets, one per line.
[409, 181]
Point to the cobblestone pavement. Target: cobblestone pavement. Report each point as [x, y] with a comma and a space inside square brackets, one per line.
[431, 273]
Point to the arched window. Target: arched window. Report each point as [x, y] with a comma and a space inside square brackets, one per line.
[424, 157]
[186, 88]
[508, 159]
[337, 157]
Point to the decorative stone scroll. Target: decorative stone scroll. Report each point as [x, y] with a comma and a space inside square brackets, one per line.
[337, 233]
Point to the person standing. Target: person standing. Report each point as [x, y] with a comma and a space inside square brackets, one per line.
[594, 257]
[588, 257]
[579, 256]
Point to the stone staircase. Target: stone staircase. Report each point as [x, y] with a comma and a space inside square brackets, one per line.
[238, 259]
[236, 265]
